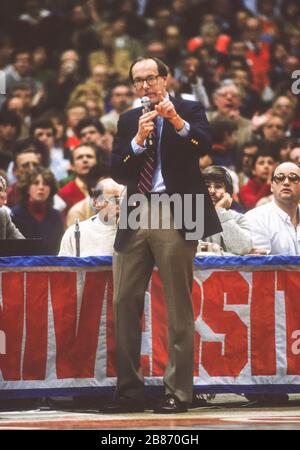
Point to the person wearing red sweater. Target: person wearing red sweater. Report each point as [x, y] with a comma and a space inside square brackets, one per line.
[259, 185]
[83, 158]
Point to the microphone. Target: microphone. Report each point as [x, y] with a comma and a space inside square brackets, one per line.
[77, 237]
[146, 105]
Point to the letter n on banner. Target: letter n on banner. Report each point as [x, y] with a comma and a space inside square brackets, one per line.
[289, 283]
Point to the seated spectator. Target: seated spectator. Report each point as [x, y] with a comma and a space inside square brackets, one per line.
[91, 131]
[251, 101]
[223, 133]
[84, 209]
[28, 155]
[68, 77]
[7, 228]
[9, 131]
[87, 92]
[258, 54]
[117, 60]
[227, 99]
[20, 72]
[287, 144]
[99, 77]
[275, 226]
[34, 215]
[97, 234]
[75, 112]
[235, 237]
[44, 131]
[284, 107]
[259, 185]
[174, 46]
[83, 158]
[120, 97]
[245, 161]
[295, 155]
[17, 106]
[273, 131]
[191, 82]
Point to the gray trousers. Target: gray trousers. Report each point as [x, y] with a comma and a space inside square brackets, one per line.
[132, 269]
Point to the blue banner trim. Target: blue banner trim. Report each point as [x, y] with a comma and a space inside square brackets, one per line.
[101, 261]
[150, 390]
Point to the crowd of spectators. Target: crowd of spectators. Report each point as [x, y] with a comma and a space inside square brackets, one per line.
[66, 83]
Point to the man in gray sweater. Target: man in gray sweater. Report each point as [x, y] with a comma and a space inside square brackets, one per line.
[235, 237]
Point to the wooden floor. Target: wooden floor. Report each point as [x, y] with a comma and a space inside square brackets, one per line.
[225, 412]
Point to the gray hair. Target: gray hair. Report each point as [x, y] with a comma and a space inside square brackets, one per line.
[225, 83]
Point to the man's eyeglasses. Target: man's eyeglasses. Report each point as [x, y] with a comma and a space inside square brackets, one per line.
[279, 127]
[138, 83]
[280, 178]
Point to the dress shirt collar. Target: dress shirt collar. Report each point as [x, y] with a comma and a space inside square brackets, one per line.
[284, 216]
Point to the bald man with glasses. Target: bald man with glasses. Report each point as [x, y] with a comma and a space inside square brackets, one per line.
[275, 227]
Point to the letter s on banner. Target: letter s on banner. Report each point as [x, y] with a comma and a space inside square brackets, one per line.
[296, 344]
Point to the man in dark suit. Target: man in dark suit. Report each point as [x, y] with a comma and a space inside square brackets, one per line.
[168, 165]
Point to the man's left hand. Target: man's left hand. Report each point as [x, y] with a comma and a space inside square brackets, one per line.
[165, 108]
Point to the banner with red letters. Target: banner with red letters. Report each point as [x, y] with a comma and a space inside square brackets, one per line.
[57, 331]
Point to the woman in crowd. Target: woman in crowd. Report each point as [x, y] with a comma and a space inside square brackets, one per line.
[34, 215]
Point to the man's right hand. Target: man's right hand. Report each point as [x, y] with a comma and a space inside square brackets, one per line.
[146, 126]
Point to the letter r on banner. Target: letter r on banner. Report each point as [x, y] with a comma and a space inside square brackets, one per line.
[2, 82]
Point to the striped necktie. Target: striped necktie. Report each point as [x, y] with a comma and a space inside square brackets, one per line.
[148, 167]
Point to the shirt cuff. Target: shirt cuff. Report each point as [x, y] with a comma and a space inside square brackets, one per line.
[184, 130]
[137, 149]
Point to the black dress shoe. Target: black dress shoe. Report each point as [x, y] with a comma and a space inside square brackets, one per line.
[123, 405]
[171, 405]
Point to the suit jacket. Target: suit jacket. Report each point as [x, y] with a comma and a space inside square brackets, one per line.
[7, 228]
[179, 160]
